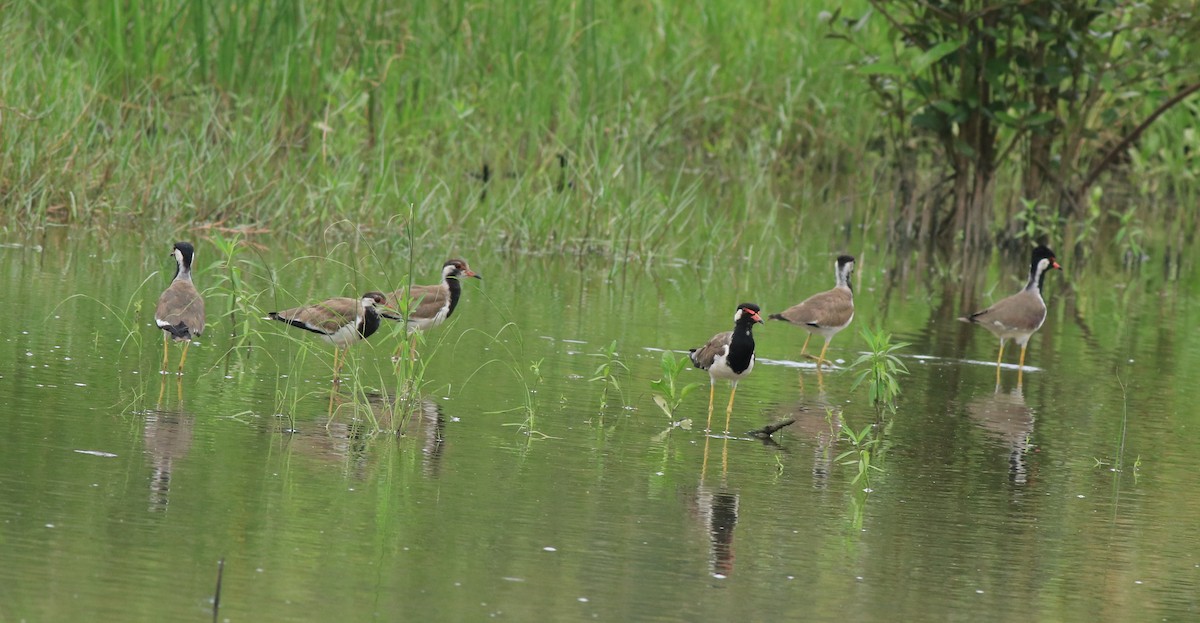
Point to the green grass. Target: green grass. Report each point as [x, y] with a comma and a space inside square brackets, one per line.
[294, 117]
[625, 129]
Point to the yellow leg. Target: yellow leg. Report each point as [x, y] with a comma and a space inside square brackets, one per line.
[166, 341]
[704, 465]
[712, 388]
[821, 357]
[183, 358]
[1021, 366]
[724, 457]
[162, 389]
[805, 347]
[729, 409]
[179, 390]
[337, 365]
[999, 357]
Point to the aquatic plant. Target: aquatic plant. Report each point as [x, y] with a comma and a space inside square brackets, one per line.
[882, 368]
[670, 393]
[606, 373]
[862, 443]
[527, 376]
[227, 277]
[530, 382]
[1120, 456]
[411, 357]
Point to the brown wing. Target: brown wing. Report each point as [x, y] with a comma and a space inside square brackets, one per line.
[1023, 311]
[180, 310]
[427, 301]
[704, 356]
[832, 308]
[325, 317]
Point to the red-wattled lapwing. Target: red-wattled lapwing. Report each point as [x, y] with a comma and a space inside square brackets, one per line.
[825, 313]
[1017, 317]
[180, 311]
[728, 355]
[430, 306]
[341, 321]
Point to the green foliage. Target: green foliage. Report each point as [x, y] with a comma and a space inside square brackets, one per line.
[606, 373]
[1052, 88]
[227, 281]
[1081, 234]
[862, 443]
[1129, 233]
[1035, 222]
[412, 355]
[882, 368]
[669, 393]
[612, 129]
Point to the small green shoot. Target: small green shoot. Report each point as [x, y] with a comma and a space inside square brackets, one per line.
[862, 443]
[528, 425]
[669, 392]
[883, 368]
[606, 372]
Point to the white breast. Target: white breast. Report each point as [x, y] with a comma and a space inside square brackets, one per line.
[347, 334]
[720, 368]
[421, 324]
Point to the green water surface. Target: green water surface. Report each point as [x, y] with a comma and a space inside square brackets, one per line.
[992, 503]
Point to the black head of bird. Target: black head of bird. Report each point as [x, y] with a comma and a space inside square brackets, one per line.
[747, 314]
[1043, 260]
[183, 253]
[845, 266]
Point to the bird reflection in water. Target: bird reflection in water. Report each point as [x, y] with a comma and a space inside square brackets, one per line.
[432, 426]
[347, 436]
[167, 436]
[162, 391]
[819, 420]
[340, 440]
[716, 508]
[1006, 417]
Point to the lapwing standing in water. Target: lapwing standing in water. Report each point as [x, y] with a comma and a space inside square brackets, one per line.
[180, 311]
[340, 321]
[1017, 317]
[825, 313]
[429, 306]
[729, 356]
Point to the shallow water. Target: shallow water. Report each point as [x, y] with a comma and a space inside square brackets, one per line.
[991, 503]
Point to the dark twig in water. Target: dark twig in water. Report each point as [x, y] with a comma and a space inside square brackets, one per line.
[217, 593]
[769, 429]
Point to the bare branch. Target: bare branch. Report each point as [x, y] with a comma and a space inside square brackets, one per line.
[1124, 144]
